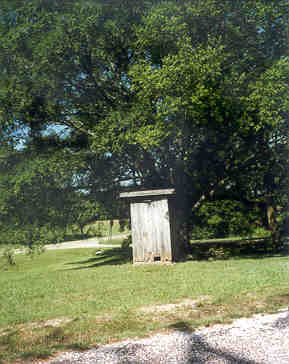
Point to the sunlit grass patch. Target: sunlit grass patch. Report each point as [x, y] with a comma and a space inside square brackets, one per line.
[79, 299]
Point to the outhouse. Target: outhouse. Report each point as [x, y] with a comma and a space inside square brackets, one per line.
[153, 224]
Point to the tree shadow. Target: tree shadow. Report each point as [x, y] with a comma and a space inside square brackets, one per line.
[262, 255]
[114, 256]
[282, 322]
[201, 352]
[191, 349]
[123, 255]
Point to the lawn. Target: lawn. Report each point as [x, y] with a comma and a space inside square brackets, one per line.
[78, 299]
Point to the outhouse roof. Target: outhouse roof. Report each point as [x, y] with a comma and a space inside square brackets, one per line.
[148, 193]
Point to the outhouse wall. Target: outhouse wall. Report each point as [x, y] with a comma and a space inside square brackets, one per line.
[154, 234]
[151, 232]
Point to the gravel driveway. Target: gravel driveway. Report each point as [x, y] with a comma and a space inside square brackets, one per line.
[262, 339]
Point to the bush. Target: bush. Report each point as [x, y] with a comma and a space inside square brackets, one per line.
[224, 218]
[31, 235]
[98, 229]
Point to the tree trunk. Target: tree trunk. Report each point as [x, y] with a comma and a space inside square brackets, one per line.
[110, 228]
[272, 222]
[183, 207]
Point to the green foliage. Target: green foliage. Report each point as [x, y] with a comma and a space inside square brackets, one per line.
[190, 94]
[97, 229]
[83, 210]
[35, 191]
[30, 235]
[218, 219]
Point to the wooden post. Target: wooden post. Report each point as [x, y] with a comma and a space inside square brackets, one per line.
[154, 233]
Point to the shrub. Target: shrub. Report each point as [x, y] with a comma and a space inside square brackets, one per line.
[223, 218]
[98, 229]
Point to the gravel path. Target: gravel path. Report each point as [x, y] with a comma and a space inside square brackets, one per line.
[85, 243]
[262, 339]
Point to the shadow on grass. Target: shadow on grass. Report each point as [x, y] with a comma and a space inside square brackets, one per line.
[118, 256]
[114, 256]
[220, 251]
[262, 254]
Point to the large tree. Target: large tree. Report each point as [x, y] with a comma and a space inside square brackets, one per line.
[192, 94]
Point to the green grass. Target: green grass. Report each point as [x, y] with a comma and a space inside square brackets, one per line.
[98, 298]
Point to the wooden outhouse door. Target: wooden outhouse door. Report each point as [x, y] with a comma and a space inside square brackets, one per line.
[151, 231]
[153, 225]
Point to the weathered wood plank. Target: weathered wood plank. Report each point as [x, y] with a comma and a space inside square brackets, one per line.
[138, 229]
[162, 230]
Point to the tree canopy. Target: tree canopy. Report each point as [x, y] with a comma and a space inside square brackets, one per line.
[191, 94]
